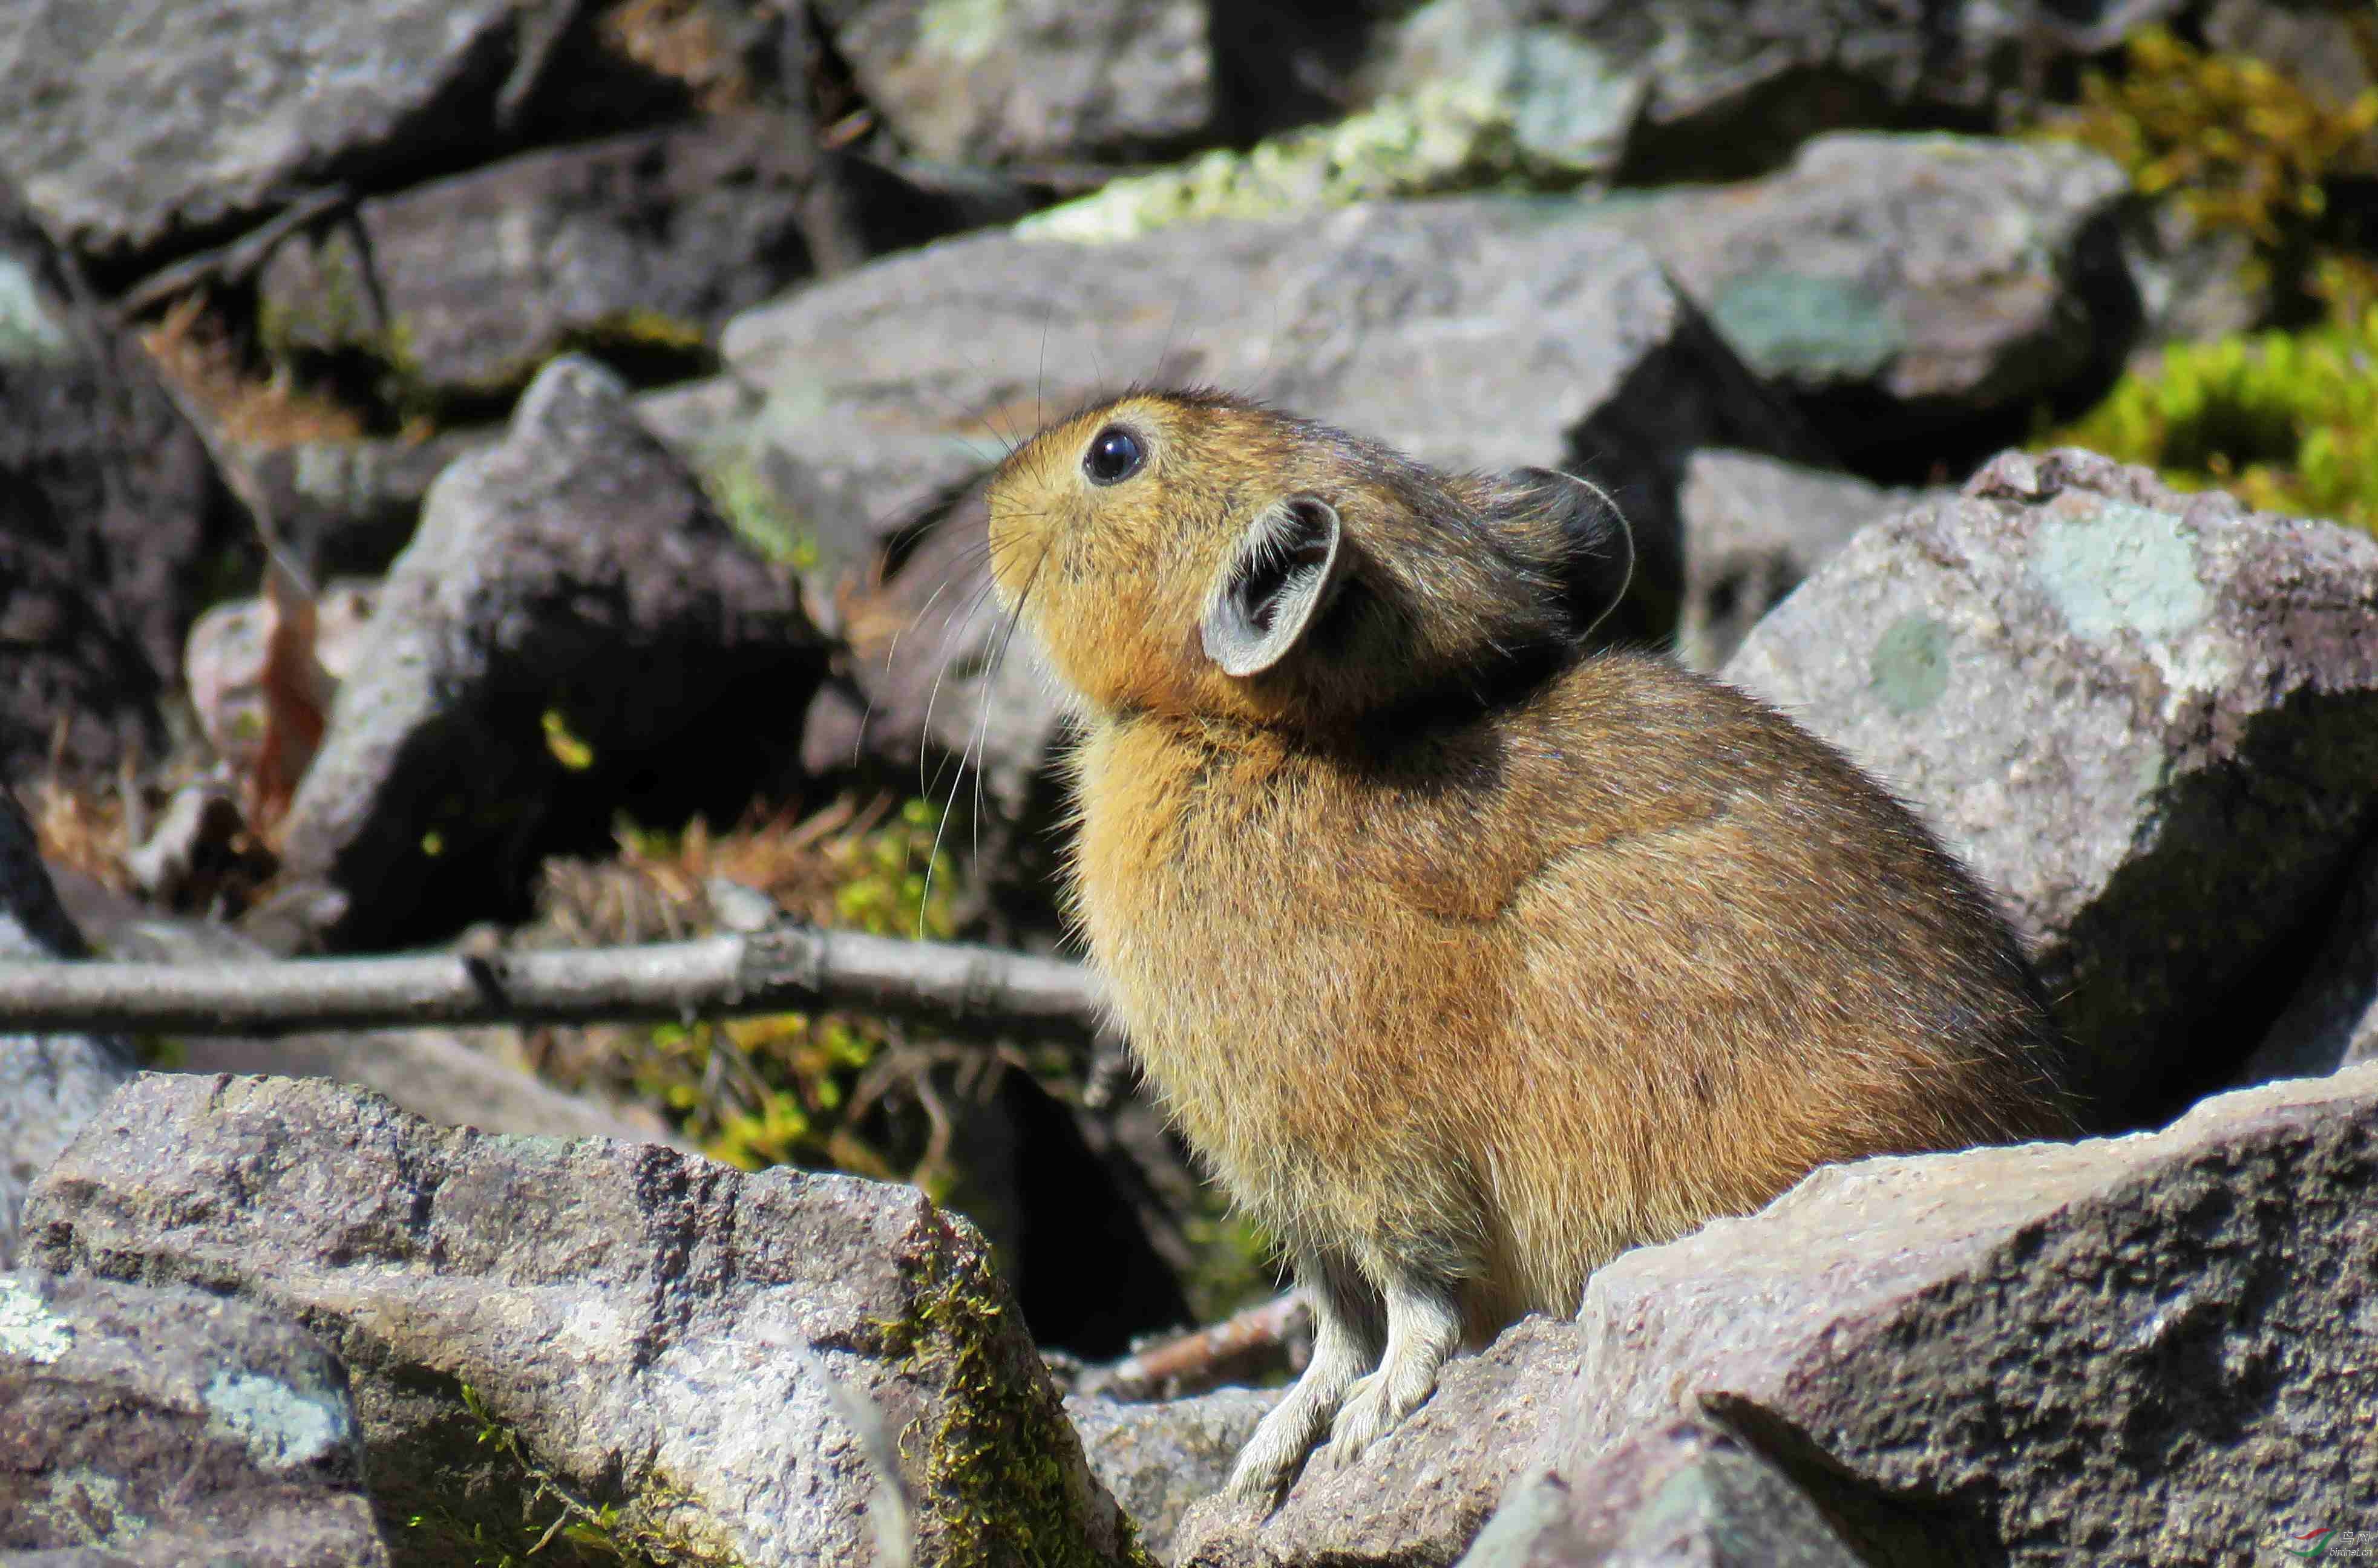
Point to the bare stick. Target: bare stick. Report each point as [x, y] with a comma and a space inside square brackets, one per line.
[964, 988]
[1198, 1361]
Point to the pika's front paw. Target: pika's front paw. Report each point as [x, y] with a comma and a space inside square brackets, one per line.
[1373, 1408]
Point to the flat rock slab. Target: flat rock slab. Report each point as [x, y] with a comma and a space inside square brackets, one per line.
[1160, 1456]
[1482, 334]
[2149, 720]
[573, 632]
[652, 1330]
[161, 1427]
[2149, 1349]
[140, 126]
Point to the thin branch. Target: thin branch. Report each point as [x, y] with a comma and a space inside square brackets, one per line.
[960, 987]
[237, 261]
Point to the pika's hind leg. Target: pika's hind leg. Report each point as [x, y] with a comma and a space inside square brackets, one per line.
[1346, 1336]
[1424, 1328]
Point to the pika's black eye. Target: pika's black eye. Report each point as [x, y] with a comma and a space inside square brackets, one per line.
[1114, 456]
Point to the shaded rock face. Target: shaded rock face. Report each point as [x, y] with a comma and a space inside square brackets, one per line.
[2149, 720]
[1897, 284]
[2331, 1019]
[1036, 78]
[635, 246]
[573, 632]
[657, 1331]
[1472, 334]
[165, 1427]
[109, 513]
[242, 101]
[50, 1084]
[2141, 1349]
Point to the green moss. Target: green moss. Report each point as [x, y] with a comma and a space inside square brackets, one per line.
[1005, 1482]
[759, 516]
[553, 1524]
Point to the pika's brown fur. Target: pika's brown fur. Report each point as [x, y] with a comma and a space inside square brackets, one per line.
[1468, 958]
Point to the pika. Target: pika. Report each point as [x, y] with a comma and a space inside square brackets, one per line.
[1467, 957]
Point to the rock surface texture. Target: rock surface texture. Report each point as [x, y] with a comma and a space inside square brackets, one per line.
[574, 631]
[2149, 720]
[242, 102]
[50, 1084]
[154, 1427]
[642, 1328]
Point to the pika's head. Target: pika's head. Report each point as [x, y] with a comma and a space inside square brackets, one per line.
[1198, 554]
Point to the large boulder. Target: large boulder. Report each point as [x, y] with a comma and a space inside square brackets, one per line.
[572, 633]
[2149, 720]
[141, 127]
[1473, 334]
[110, 516]
[704, 1364]
[154, 1427]
[50, 1084]
[2140, 1348]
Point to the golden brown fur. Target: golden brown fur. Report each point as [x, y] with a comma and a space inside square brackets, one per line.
[1466, 958]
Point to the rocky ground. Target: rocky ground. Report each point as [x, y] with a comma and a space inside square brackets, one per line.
[505, 475]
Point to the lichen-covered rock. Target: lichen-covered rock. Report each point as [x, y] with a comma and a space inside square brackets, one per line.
[140, 125]
[1754, 527]
[2149, 720]
[1030, 79]
[1158, 1457]
[154, 1427]
[110, 516]
[1687, 1493]
[535, 1325]
[50, 1084]
[573, 632]
[1473, 334]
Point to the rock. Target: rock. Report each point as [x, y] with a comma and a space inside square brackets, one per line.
[1754, 527]
[50, 1084]
[1036, 79]
[2331, 1019]
[659, 1334]
[1159, 1458]
[164, 1426]
[2149, 720]
[1897, 284]
[353, 92]
[347, 508]
[110, 515]
[636, 247]
[1422, 1492]
[574, 633]
[2139, 1349]
[1687, 1492]
[875, 400]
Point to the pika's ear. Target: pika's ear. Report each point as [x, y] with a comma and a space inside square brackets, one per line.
[1278, 580]
[1581, 528]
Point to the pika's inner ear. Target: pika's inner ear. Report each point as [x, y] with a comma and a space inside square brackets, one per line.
[1277, 581]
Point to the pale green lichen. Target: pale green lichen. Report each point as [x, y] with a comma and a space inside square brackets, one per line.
[29, 1329]
[1789, 323]
[28, 333]
[281, 1427]
[2124, 567]
[1911, 665]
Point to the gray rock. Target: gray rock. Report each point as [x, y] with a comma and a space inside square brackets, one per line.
[1420, 1494]
[657, 1332]
[241, 102]
[2148, 719]
[637, 247]
[1158, 1457]
[164, 1426]
[2141, 1349]
[110, 512]
[1754, 527]
[1687, 1493]
[2331, 1019]
[572, 632]
[1042, 79]
[349, 507]
[50, 1084]
[1475, 334]
[1918, 276]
